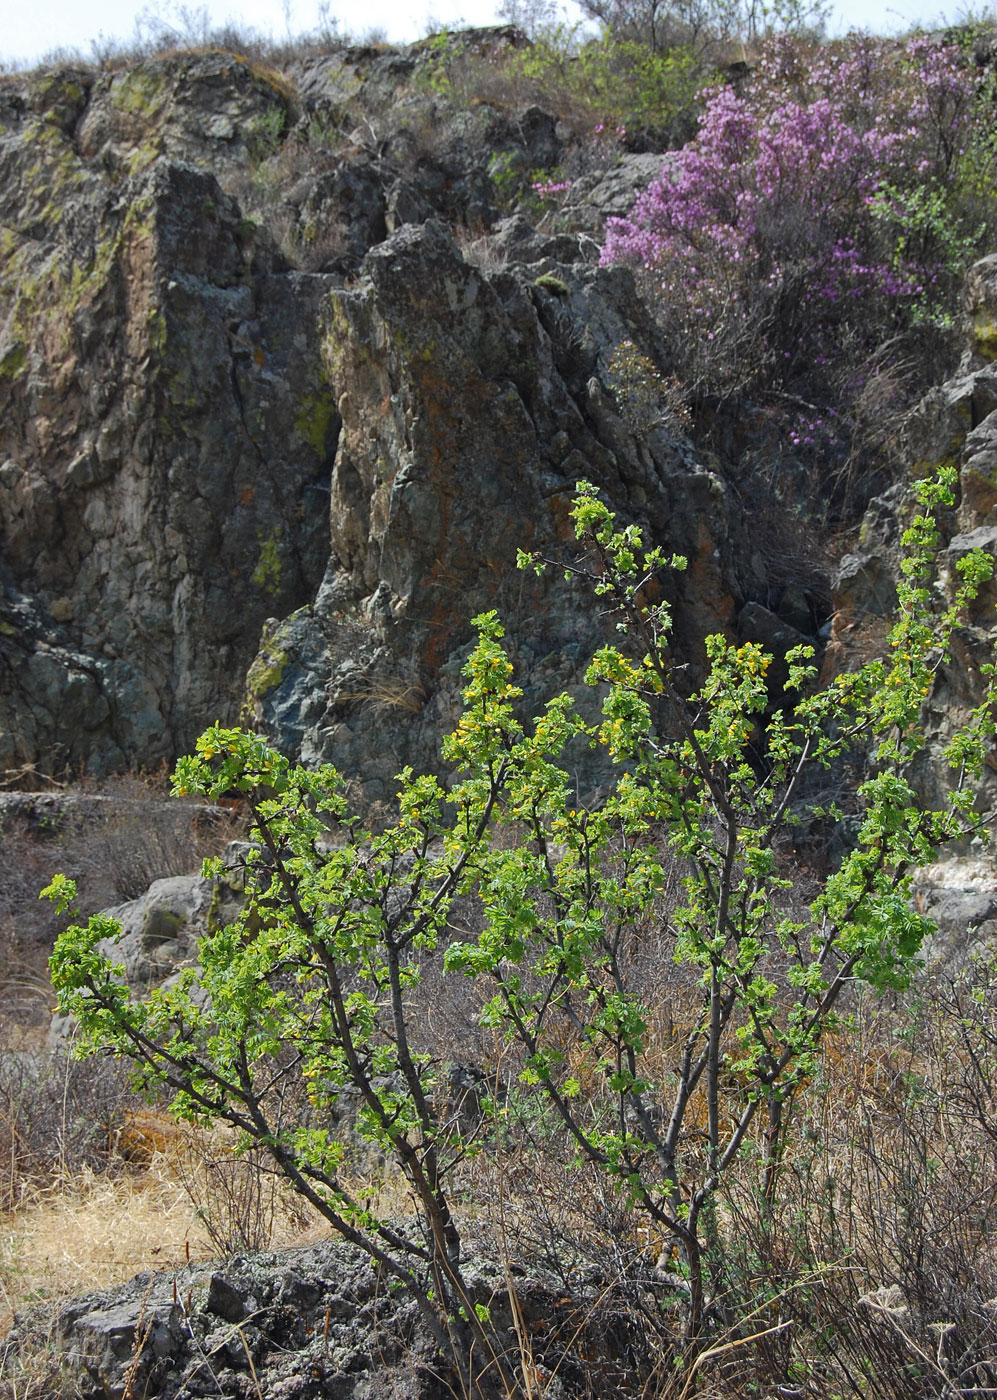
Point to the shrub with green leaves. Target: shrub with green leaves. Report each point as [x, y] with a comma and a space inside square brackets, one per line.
[309, 995]
[611, 85]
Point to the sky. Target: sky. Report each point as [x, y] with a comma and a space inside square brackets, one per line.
[29, 32]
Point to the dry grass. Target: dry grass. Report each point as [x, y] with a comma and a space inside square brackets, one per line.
[381, 696]
[114, 844]
[95, 1230]
[92, 1186]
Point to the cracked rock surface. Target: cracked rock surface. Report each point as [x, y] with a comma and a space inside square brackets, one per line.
[315, 1323]
[259, 411]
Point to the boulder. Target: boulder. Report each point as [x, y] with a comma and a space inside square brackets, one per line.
[978, 477]
[864, 587]
[159, 929]
[320, 1321]
[937, 429]
[960, 896]
[128, 1344]
[982, 540]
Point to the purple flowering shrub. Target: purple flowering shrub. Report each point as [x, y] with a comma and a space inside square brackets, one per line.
[818, 215]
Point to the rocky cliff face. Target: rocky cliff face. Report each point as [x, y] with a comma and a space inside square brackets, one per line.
[472, 404]
[210, 455]
[167, 427]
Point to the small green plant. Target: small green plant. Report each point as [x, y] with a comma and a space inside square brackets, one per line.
[509, 180]
[927, 217]
[446, 73]
[611, 84]
[550, 282]
[646, 398]
[312, 992]
[265, 133]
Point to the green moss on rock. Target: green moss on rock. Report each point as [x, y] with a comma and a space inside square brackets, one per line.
[267, 573]
[156, 327]
[13, 362]
[315, 415]
[985, 333]
[267, 670]
[139, 91]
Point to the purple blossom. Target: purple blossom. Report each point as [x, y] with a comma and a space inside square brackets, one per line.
[546, 188]
[781, 206]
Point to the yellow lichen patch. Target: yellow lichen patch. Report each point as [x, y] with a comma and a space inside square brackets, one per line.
[985, 333]
[315, 414]
[138, 90]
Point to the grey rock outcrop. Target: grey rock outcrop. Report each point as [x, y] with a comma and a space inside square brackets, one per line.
[960, 897]
[611, 192]
[954, 426]
[208, 456]
[979, 472]
[961, 679]
[471, 405]
[937, 429]
[166, 428]
[981, 297]
[317, 1321]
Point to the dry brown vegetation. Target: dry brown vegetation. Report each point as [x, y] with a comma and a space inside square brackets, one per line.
[161, 1199]
[876, 1276]
[93, 1185]
[114, 841]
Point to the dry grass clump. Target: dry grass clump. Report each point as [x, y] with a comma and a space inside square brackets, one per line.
[870, 1266]
[166, 1195]
[93, 1230]
[383, 696]
[96, 1186]
[81, 1219]
[190, 30]
[85, 1231]
[57, 1118]
[91, 1183]
[876, 1257]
